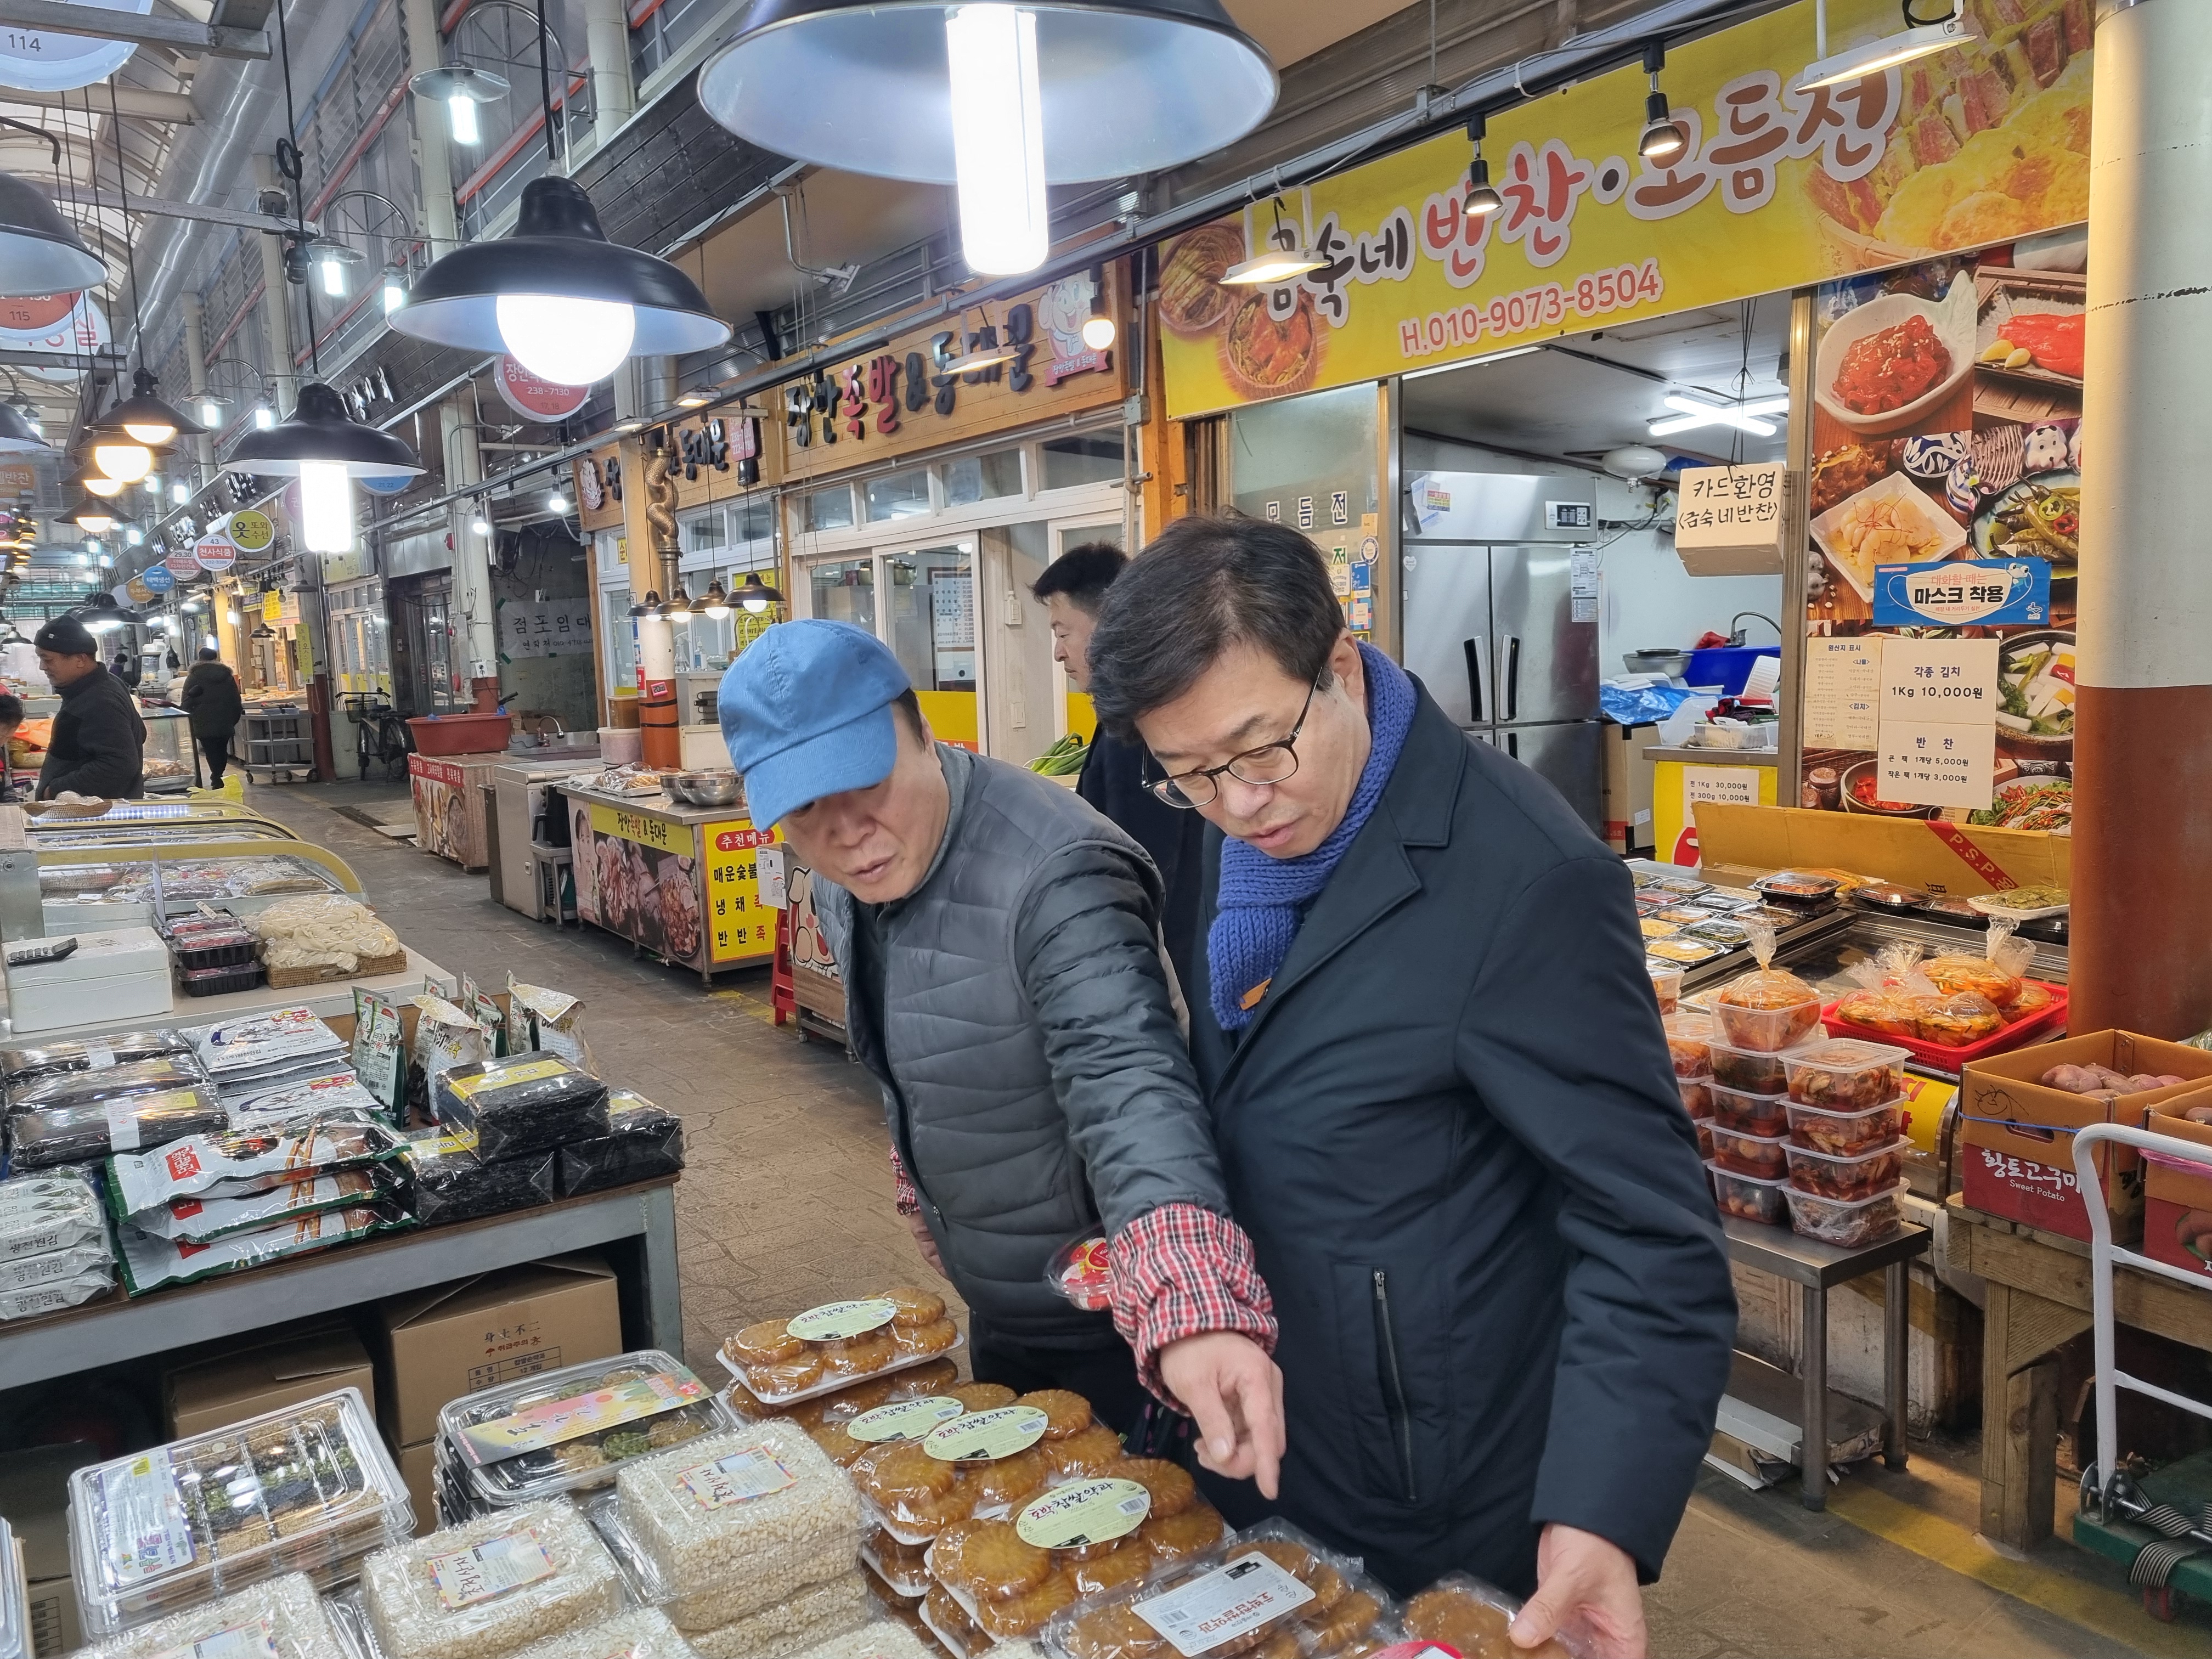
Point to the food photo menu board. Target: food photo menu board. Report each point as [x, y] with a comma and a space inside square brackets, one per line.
[1946, 499]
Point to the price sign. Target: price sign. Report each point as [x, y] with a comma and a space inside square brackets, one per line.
[1954, 682]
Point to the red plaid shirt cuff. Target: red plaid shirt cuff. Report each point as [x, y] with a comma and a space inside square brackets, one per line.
[903, 1192]
[1181, 1271]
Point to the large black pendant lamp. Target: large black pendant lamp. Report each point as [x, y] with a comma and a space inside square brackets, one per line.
[325, 449]
[18, 436]
[41, 252]
[1000, 99]
[145, 417]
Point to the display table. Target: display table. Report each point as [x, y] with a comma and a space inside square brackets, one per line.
[335, 997]
[638, 1223]
[1816, 1269]
[2039, 1297]
[680, 882]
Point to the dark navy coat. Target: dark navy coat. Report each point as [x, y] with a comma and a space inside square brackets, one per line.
[1453, 1132]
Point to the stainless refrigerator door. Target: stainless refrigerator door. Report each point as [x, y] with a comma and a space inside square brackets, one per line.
[1447, 610]
[1544, 662]
[1567, 755]
[1500, 507]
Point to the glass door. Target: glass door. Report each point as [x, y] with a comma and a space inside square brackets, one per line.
[930, 626]
[844, 590]
[1073, 707]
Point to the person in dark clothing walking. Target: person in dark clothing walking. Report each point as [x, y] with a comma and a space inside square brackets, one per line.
[99, 743]
[212, 701]
[125, 668]
[1071, 588]
[1442, 1097]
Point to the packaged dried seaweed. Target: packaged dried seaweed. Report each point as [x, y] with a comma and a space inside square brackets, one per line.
[258, 1045]
[41, 1137]
[90, 1054]
[450, 1183]
[156, 1073]
[42, 1213]
[550, 1020]
[153, 1264]
[240, 1163]
[485, 1590]
[529, 1104]
[643, 1143]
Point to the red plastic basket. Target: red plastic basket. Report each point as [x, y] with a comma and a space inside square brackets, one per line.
[1944, 1058]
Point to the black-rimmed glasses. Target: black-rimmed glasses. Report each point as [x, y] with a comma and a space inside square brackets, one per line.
[1271, 762]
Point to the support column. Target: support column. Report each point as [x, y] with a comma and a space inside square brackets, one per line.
[196, 377]
[433, 155]
[277, 303]
[472, 594]
[606, 43]
[656, 712]
[2142, 838]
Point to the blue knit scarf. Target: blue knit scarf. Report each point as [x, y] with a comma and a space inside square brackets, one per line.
[1262, 900]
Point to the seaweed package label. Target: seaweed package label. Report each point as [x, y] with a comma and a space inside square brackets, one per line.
[1211, 1611]
[464, 1578]
[256, 1640]
[741, 1477]
[502, 1077]
[143, 1532]
[553, 1421]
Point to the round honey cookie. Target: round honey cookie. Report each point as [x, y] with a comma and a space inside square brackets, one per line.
[841, 1446]
[995, 1563]
[1065, 1411]
[912, 1305]
[946, 1614]
[850, 1401]
[1328, 1585]
[1454, 1616]
[1171, 1537]
[1172, 1489]
[1113, 1633]
[919, 1382]
[900, 1472]
[1351, 1618]
[1007, 1480]
[933, 1337]
[1086, 1452]
[859, 1356]
[1025, 1614]
[757, 1344]
[1283, 1644]
[934, 1514]
[1113, 1568]
[980, 1396]
[773, 1379]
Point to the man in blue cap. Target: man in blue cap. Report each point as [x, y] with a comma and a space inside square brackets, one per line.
[1003, 982]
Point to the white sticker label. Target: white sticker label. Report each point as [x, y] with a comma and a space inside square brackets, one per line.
[255, 1640]
[1210, 1612]
[121, 1115]
[142, 1519]
[738, 1479]
[98, 1055]
[494, 1567]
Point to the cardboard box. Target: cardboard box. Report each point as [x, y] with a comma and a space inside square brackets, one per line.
[440, 1344]
[2017, 1153]
[417, 1465]
[1739, 842]
[34, 1497]
[197, 1398]
[2177, 1196]
[1626, 801]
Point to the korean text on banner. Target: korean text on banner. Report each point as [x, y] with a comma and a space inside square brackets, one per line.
[1777, 188]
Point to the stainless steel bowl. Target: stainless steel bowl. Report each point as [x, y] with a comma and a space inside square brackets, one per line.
[703, 789]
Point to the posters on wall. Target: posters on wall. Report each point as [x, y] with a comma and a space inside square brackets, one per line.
[1946, 494]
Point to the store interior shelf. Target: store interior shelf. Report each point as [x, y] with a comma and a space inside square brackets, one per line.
[335, 997]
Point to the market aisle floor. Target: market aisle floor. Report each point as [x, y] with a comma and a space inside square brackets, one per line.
[786, 1202]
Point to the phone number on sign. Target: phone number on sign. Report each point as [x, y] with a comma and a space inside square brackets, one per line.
[1593, 293]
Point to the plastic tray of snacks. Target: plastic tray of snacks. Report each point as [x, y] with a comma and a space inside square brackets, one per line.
[1751, 1071]
[947, 1622]
[1848, 1222]
[2017, 1033]
[568, 1430]
[975, 1465]
[904, 1568]
[1745, 1113]
[1845, 1175]
[1763, 1156]
[826, 1348]
[1268, 1581]
[284, 1619]
[1690, 1041]
[1749, 1198]
[936, 1376]
[1697, 1094]
[737, 1522]
[1844, 1074]
[1474, 1618]
[306, 1488]
[515, 1577]
[1842, 1133]
[803, 1620]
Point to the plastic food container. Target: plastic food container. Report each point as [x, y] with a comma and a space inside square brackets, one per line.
[221, 982]
[1697, 1095]
[1848, 1222]
[1705, 1140]
[1753, 1071]
[826, 1348]
[1768, 1029]
[486, 1589]
[283, 1618]
[309, 1487]
[567, 1430]
[1666, 984]
[1749, 1198]
[1082, 1270]
[1850, 1175]
[1741, 1112]
[1270, 1582]
[1844, 1074]
[1797, 887]
[1752, 1155]
[1471, 1618]
[803, 1622]
[1690, 1042]
[1845, 1133]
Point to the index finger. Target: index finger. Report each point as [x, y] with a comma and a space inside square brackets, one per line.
[1215, 1425]
[1260, 1402]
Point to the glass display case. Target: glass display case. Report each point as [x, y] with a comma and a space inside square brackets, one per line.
[172, 762]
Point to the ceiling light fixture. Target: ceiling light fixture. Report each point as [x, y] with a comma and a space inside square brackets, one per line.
[332, 259]
[41, 252]
[395, 296]
[478, 524]
[717, 602]
[557, 501]
[19, 435]
[263, 418]
[1472, 363]
[180, 493]
[93, 519]
[693, 400]
[144, 417]
[1481, 199]
[326, 450]
[1919, 40]
[211, 407]
[679, 605]
[93, 481]
[756, 595]
[999, 100]
[1745, 417]
[1285, 257]
[461, 89]
[1663, 138]
[1098, 330]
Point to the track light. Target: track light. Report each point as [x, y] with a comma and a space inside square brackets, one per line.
[1098, 328]
[1481, 199]
[1919, 40]
[478, 524]
[1278, 263]
[1663, 138]
[693, 400]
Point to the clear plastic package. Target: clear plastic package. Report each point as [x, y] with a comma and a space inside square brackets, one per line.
[641, 1633]
[449, 1183]
[25, 1273]
[935, 1376]
[482, 1590]
[1082, 1270]
[1769, 1008]
[805, 1620]
[255, 1045]
[284, 1619]
[91, 1055]
[15, 1615]
[1268, 1583]
[1752, 1070]
[42, 1213]
[784, 1361]
[1848, 1222]
[567, 1430]
[57, 1293]
[948, 1622]
[1749, 1198]
[736, 1522]
[879, 1638]
[240, 1163]
[1697, 1094]
[1845, 1131]
[326, 1093]
[137, 1077]
[1763, 1156]
[1749, 1113]
[1364, 1618]
[1666, 984]
[65, 1133]
[974, 1467]
[1474, 1620]
[202, 1221]
[904, 1568]
[1690, 1042]
[154, 1264]
[642, 1143]
[531, 1102]
[306, 1488]
[1845, 1175]
[1845, 1074]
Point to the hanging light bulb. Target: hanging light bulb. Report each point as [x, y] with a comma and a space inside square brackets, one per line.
[998, 137]
[1663, 136]
[680, 605]
[151, 483]
[756, 595]
[331, 263]
[180, 493]
[461, 112]
[556, 502]
[325, 450]
[132, 536]
[1481, 199]
[263, 418]
[326, 507]
[461, 89]
[564, 339]
[212, 408]
[93, 519]
[394, 296]
[1283, 257]
[100, 484]
[717, 603]
[479, 525]
[126, 463]
[1098, 329]
[143, 417]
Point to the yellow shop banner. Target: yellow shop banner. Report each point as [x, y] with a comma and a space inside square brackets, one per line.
[1776, 188]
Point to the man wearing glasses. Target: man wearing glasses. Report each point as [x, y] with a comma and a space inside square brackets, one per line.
[1441, 1096]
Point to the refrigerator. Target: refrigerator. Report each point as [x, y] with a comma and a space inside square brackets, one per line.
[1499, 592]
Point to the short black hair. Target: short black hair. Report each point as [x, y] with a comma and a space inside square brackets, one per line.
[909, 708]
[1204, 584]
[11, 709]
[1083, 573]
[208, 653]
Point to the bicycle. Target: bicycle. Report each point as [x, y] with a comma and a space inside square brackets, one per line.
[379, 735]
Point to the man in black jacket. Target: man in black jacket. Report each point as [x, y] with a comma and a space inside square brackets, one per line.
[99, 743]
[212, 701]
[1071, 588]
[1442, 1098]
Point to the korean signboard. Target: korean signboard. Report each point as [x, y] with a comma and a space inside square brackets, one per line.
[544, 628]
[1777, 188]
[713, 456]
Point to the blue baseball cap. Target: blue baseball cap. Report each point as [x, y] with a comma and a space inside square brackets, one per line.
[806, 712]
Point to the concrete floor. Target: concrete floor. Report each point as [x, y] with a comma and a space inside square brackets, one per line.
[787, 1203]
